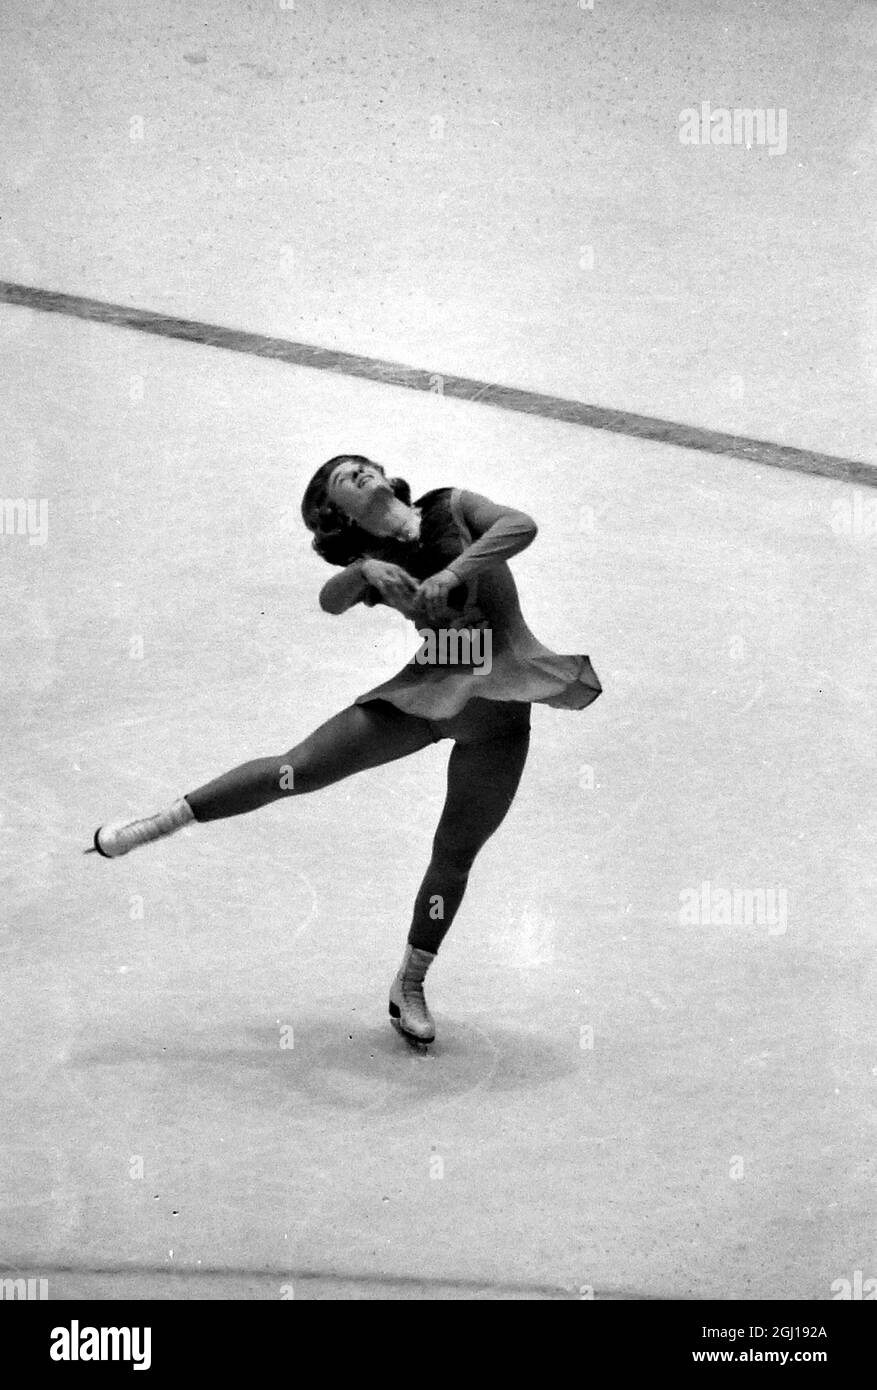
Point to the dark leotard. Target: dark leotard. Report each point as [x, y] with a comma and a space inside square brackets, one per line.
[520, 668]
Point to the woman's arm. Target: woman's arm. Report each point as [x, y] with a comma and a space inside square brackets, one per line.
[343, 590]
[370, 581]
[500, 533]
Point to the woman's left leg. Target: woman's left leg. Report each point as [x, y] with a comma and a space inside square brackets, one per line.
[483, 774]
[483, 777]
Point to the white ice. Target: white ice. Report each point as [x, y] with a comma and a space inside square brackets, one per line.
[194, 1049]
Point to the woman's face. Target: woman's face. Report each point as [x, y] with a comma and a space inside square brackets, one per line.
[354, 487]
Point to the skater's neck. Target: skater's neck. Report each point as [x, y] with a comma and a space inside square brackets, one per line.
[391, 519]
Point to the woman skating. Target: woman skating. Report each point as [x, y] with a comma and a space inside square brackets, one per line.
[442, 562]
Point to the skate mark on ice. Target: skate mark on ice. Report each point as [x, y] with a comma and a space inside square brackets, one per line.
[675, 433]
[407, 1285]
[334, 1065]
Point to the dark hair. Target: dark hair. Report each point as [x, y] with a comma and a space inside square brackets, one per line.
[337, 537]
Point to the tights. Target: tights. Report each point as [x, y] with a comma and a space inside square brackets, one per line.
[490, 748]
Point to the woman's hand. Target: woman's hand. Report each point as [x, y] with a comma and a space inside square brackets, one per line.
[432, 596]
[395, 585]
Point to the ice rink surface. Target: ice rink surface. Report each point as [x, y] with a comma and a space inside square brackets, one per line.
[202, 1096]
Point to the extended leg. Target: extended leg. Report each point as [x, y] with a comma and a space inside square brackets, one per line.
[360, 737]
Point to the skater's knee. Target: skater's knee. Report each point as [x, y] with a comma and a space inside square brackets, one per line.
[300, 771]
[454, 855]
[292, 773]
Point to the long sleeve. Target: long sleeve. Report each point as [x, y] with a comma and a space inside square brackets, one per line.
[343, 590]
[501, 532]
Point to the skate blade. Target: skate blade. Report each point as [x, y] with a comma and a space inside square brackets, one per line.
[95, 847]
[420, 1045]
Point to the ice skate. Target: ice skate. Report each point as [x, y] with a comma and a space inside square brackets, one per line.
[409, 1014]
[120, 837]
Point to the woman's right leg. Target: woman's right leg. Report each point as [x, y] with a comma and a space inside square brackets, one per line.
[360, 737]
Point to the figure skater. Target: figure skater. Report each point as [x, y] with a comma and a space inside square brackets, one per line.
[442, 562]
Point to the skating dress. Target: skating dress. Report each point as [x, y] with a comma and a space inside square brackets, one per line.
[520, 667]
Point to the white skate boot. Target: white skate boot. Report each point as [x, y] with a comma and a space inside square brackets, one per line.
[408, 1012]
[121, 837]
